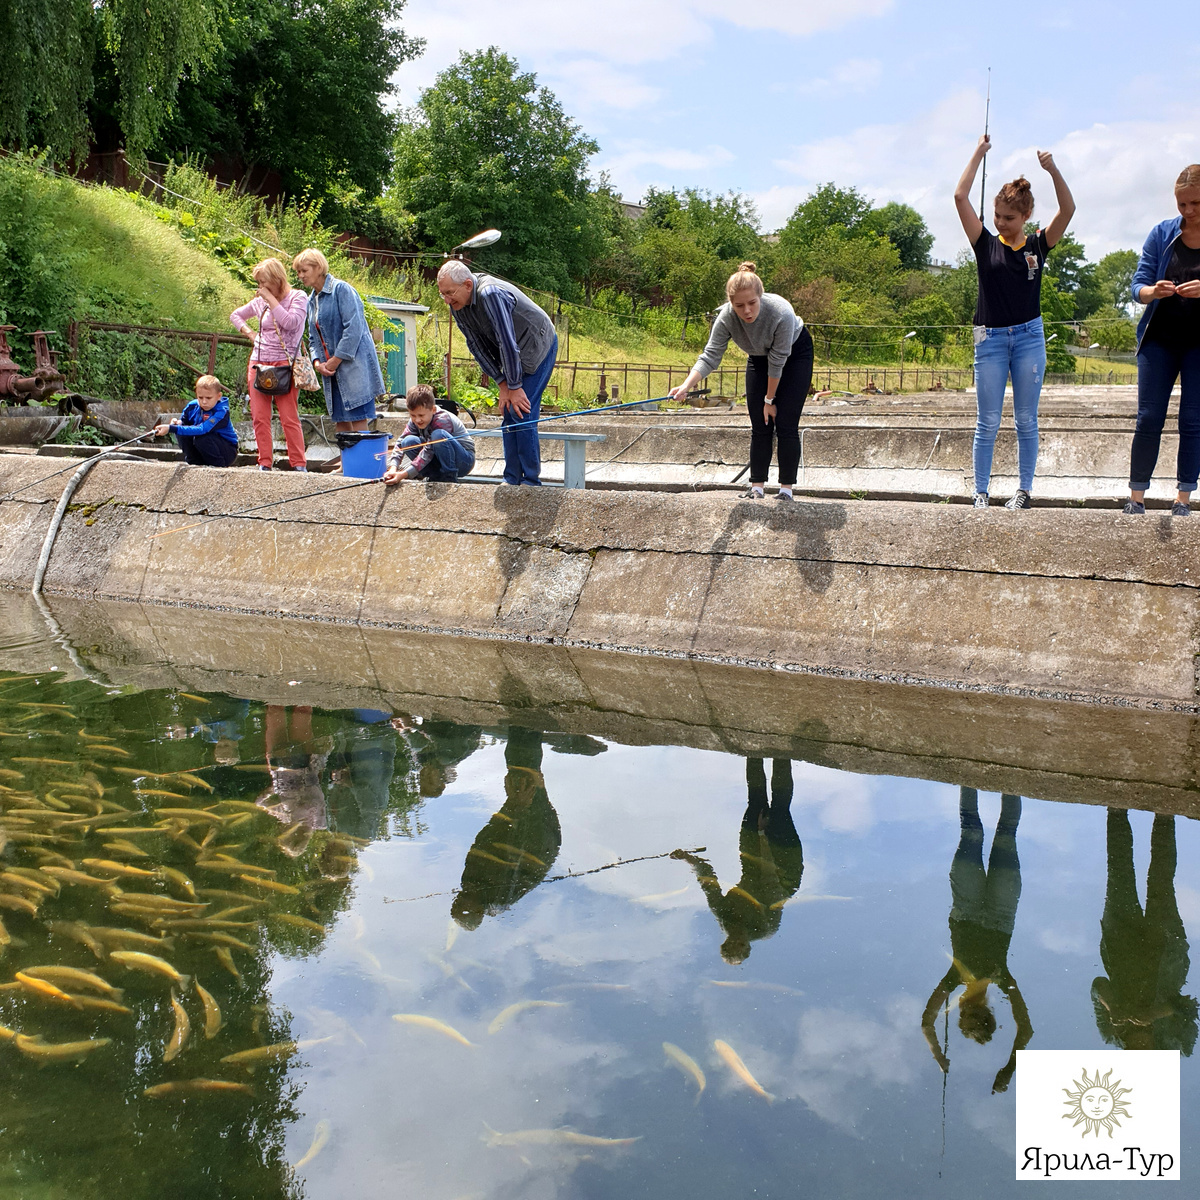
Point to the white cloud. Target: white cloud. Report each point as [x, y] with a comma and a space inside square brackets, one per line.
[623, 32]
[853, 75]
[1121, 174]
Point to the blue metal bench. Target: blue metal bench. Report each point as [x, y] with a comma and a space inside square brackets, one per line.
[574, 451]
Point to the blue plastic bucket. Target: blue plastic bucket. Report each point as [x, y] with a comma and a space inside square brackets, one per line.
[364, 454]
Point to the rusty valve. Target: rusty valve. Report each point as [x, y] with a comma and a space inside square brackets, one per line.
[46, 379]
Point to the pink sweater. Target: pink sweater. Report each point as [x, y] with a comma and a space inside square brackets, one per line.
[287, 318]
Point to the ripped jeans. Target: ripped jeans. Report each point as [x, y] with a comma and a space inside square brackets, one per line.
[1019, 350]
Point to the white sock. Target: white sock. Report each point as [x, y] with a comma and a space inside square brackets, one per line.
[756, 489]
[785, 491]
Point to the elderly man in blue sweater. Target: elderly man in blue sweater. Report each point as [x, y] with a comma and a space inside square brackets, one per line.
[514, 342]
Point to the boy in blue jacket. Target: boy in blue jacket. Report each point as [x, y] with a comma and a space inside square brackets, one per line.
[205, 433]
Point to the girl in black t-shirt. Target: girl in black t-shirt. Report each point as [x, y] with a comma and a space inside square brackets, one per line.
[1009, 338]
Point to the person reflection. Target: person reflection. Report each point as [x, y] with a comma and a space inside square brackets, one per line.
[982, 916]
[360, 773]
[437, 747]
[772, 863]
[295, 759]
[1139, 1005]
[515, 850]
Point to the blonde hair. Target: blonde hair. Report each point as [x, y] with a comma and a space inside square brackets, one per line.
[208, 383]
[1018, 195]
[744, 279]
[1189, 177]
[311, 258]
[270, 272]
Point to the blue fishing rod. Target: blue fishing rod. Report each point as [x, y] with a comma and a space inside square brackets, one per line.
[583, 412]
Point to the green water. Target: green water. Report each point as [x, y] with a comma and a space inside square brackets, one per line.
[382, 865]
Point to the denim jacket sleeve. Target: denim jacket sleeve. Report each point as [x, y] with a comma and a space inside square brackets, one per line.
[354, 322]
[1151, 266]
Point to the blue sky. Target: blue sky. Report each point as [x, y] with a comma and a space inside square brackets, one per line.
[774, 98]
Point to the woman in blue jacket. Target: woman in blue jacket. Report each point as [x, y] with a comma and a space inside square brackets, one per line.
[343, 350]
[1167, 282]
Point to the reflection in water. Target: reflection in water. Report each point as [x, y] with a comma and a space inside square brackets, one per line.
[514, 851]
[772, 863]
[1139, 1006]
[981, 927]
[361, 768]
[437, 748]
[296, 760]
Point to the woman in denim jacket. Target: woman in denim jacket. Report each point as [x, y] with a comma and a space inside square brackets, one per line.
[1167, 282]
[343, 349]
[1009, 338]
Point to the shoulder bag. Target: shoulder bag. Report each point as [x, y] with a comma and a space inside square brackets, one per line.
[275, 380]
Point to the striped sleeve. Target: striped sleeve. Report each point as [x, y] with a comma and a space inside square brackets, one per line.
[498, 304]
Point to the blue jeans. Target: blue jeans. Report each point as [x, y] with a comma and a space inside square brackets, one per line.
[522, 453]
[451, 458]
[1019, 351]
[1158, 368]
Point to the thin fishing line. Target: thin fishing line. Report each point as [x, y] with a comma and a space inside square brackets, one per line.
[74, 465]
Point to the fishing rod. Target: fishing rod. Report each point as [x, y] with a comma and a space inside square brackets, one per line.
[75, 463]
[420, 445]
[987, 120]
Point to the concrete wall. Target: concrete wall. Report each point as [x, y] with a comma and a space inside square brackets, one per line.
[1051, 603]
[1052, 750]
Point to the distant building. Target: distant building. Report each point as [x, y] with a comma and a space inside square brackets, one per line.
[937, 267]
[635, 212]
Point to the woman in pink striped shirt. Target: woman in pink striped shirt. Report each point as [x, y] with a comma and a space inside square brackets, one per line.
[281, 311]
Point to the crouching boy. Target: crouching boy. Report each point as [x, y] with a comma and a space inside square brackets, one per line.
[435, 443]
[205, 433]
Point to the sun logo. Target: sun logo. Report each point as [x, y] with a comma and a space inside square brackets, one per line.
[1095, 1103]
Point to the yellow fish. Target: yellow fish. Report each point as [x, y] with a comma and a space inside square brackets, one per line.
[43, 762]
[19, 904]
[473, 853]
[745, 895]
[99, 1003]
[76, 978]
[320, 1137]
[299, 922]
[687, 1064]
[165, 795]
[81, 878]
[505, 1015]
[41, 987]
[225, 958]
[183, 1027]
[49, 1052]
[533, 858]
[188, 1087]
[220, 939]
[271, 885]
[150, 964]
[108, 864]
[195, 781]
[120, 846]
[79, 933]
[553, 1137]
[193, 816]
[180, 880]
[432, 1023]
[100, 748]
[109, 936]
[729, 1056]
[193, 696]
[260, 1054]
[212, 1012]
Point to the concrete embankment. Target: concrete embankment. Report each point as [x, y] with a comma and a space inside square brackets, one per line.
[1075, 605]
[1050, 750]
[893, 447]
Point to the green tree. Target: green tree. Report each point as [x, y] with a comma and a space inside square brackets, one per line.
[1067, 263]
[1114, 273]
[46, 80]
[300, 87]
[930, 316]
[1058, 307]
[829, 207]
[905, 228]
[488, 147]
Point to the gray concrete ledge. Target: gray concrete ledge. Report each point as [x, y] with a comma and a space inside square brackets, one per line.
[1068, 605]
[1038, 748]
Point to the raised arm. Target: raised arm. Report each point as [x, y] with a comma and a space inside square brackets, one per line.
[972, 225]
[1066, 202]
[939, 996]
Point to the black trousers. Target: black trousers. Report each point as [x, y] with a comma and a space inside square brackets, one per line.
[789, 401]
[207, 450]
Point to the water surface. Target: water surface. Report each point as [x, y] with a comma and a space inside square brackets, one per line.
[824, 926]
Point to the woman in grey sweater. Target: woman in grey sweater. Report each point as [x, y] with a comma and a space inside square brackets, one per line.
[778, 373]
